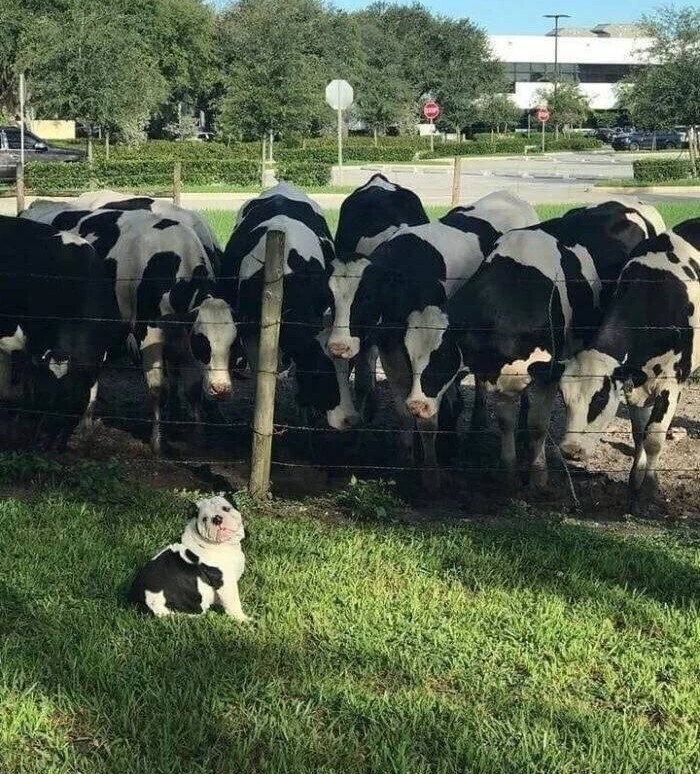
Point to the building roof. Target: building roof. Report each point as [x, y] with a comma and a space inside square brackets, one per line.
[602, 31]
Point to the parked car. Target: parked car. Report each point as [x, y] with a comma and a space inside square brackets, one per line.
[202, 137]
[35, 149]
[608, 133]
[648, 140]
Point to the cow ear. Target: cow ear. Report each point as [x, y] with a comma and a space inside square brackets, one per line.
[546, 373]
[629, 377]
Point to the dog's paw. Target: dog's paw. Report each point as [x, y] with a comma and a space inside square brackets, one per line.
[241, 617]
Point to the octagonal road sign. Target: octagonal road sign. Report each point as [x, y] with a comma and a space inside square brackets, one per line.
[431, 110]
[543, 115]
[339, 95]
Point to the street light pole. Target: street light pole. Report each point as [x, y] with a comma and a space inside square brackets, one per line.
[556, 17]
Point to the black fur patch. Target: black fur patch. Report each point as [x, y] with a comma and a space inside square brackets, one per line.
[657, 370]
[673, 258]
[660, 407]
[201, 348]
[192, 556]
[599, 401]
[161, 225]
[689, 272]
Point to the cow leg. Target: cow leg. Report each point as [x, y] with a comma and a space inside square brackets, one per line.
[430, 475]
[539, 411]
[153, 364]
[6, 392]
[398, 375]
[644, 480]
[480, 414]
[640, 419]
[506, 410]
[191, 378]
[366, 382]
[88, 420]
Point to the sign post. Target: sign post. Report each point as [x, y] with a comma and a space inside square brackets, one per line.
[543, 115]
[431, 110]
[339, 96]
[21, 116]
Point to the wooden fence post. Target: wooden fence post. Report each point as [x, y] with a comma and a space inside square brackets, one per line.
[456, 181]
[177, 183]
[266, 383]
[19, 187]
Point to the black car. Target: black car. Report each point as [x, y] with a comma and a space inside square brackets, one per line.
[660, 140]
[35, 149]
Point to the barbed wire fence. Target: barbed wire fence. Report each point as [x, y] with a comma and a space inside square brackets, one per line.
[264, 427]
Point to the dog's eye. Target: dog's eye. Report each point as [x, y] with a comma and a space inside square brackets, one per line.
[217, 520]
[226, 509]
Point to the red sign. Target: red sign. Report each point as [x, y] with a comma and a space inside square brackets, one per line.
[431, 110]
[543, 115]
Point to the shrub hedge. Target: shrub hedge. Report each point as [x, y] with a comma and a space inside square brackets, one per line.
[654, 170]
[305, 174]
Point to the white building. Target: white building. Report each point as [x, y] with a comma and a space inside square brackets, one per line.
[598, 59]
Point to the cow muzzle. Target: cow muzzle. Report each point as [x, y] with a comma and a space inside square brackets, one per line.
[219, 390]
[573, 451]
[422, 408]
[341, 350]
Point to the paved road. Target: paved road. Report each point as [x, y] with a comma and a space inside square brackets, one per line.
[563, 177]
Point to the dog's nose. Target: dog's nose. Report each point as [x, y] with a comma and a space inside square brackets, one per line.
[217, 520]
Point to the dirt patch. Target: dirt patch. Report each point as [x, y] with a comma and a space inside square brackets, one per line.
[312, 461]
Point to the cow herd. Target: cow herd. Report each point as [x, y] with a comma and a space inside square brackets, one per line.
[600, 304]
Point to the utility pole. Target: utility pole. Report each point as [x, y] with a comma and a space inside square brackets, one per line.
[556, 17]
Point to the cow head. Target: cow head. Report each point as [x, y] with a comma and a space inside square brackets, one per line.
[435, 360]
[211, 339]
[354, 305]
[592, 388]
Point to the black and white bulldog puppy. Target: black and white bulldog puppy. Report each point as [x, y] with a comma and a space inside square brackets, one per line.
[201, 570]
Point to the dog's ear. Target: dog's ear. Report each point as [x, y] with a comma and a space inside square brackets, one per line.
[192, 511]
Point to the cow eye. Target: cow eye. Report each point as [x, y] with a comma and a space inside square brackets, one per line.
[201, 348]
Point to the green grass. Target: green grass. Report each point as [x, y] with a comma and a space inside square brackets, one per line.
[524, 645]
[672, 213]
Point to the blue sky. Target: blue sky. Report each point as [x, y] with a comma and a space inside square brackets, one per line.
[525, 16]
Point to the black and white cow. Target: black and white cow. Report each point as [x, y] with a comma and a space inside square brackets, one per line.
[55, 298]
[163, 289]
[372, 213]
[322, 383]
[396, 298]
[112, 200]
[539, 296]
[646, 348]
[368, 217]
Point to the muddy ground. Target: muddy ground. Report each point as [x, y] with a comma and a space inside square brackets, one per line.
[310, 462]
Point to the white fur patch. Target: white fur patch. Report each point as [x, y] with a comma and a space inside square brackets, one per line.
[541, 251]
[377, 181]
[514, 377]
[59, 368]
[155, 602]
[14, 343]
[344, 283]
[503, 210]
[288, 191]
[366, 245]
[298, 237]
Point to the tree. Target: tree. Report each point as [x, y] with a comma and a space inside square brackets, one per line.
[88, 63]
[274, 79]
[570, 106]
[467, 71]
[498, 110]
[667, 93]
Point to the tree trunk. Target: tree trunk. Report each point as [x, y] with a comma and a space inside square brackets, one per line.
[376, 138]
[89, 146]
[107, 144]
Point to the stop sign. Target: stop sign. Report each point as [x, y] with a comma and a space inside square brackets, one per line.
[431, 110]
[543, 115]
